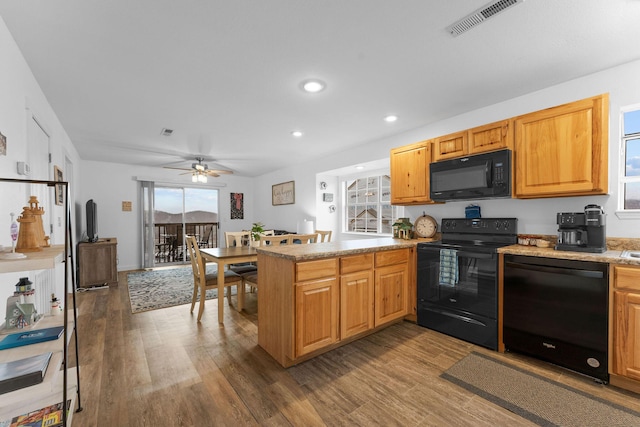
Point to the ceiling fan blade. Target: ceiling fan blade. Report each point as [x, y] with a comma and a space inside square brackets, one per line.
[180, 169]
[217, 172]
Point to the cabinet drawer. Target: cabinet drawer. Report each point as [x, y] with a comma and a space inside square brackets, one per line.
[627, 277]
[355, 263]
[398, 256]
[310, 270]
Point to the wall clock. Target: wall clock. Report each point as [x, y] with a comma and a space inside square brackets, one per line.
[425, 226]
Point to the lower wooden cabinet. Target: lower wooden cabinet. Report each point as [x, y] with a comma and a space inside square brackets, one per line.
[309, 307]
[626, 327]
[390, 293]
[356, 303]
[98, 263]
[316, 315]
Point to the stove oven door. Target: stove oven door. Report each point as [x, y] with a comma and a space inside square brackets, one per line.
[466, 308]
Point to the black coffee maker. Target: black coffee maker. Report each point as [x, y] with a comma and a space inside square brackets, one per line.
[582, 231]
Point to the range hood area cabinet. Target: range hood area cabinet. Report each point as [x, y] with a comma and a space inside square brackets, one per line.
[481, 139]
[409, 166]
[563, 151]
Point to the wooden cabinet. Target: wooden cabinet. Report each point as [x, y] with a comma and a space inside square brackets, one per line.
[563, 151]
[625, 345]
[309, 307]
[391, 285]
[409, 167]
[316, 315]
[490, 137]
[481, 139]
[356, 295]
[450, 146]
[97, 263]
[316, 305]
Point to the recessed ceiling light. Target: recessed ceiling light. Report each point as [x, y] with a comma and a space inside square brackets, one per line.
[390, 118]
[359, 167]
[313, 85]
[296, 133]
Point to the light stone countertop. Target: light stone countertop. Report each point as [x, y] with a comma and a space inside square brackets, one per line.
[312, 251]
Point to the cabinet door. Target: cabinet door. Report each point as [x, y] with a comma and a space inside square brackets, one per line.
[356, 303]
[97, 263]
[409, 167]
[626, 338]
[316, 315]
[494, 136]
[450, 146]
[391, 285]
[563, 151]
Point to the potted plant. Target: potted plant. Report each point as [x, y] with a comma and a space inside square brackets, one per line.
[257, 228]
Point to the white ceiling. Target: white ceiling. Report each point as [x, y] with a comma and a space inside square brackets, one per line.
[224, 75]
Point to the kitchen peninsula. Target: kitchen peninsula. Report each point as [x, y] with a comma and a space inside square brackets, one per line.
[316, 297]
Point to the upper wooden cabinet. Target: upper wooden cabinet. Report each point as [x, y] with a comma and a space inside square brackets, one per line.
[494, 136]
[563, 151]
[450, 146]
[409, 167]
[489, 137]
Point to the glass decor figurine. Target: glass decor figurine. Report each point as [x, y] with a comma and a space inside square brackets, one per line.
[14, 236]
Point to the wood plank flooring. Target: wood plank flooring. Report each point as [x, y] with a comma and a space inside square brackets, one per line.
[163, 368]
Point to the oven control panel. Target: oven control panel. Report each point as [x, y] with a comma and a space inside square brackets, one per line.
[480, 225]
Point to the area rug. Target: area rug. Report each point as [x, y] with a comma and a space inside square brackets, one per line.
[538, 399]
[154, 289]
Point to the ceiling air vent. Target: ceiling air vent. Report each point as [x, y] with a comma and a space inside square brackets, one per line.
[480, 15]
[166, 132]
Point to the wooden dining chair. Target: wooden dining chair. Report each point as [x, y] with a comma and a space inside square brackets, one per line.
[203, 281]
[281, 239]
[239, 238]
[304, 238]
[324, 235]
[251, 277]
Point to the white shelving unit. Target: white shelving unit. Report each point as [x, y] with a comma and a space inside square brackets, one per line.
[59, 384]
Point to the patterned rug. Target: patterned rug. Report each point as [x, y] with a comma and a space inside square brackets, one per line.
[151, 290]
[538, 399]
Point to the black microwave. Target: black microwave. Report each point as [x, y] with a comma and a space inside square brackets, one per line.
[481, 176]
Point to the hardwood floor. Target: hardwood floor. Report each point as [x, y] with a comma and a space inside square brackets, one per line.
[163, 368]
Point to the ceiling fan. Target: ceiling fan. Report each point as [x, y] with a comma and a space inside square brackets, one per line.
[200, 171]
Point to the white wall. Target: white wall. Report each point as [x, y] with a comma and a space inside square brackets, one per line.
[535, 216]
[22, 99]
[109, 184]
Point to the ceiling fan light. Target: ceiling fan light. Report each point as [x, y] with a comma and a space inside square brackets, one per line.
[202, 179]
[194, 178]
[198, 166]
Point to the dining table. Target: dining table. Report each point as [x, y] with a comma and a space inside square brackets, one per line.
[224, 257]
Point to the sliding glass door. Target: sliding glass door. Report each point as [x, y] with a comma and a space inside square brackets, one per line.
[176, 213]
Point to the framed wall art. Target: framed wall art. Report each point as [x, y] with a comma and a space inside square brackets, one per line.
[3, 145]
[57, 176]
[283, 193]
[237, 206]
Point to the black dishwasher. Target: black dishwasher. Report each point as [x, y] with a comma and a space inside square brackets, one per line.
[557, 310]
